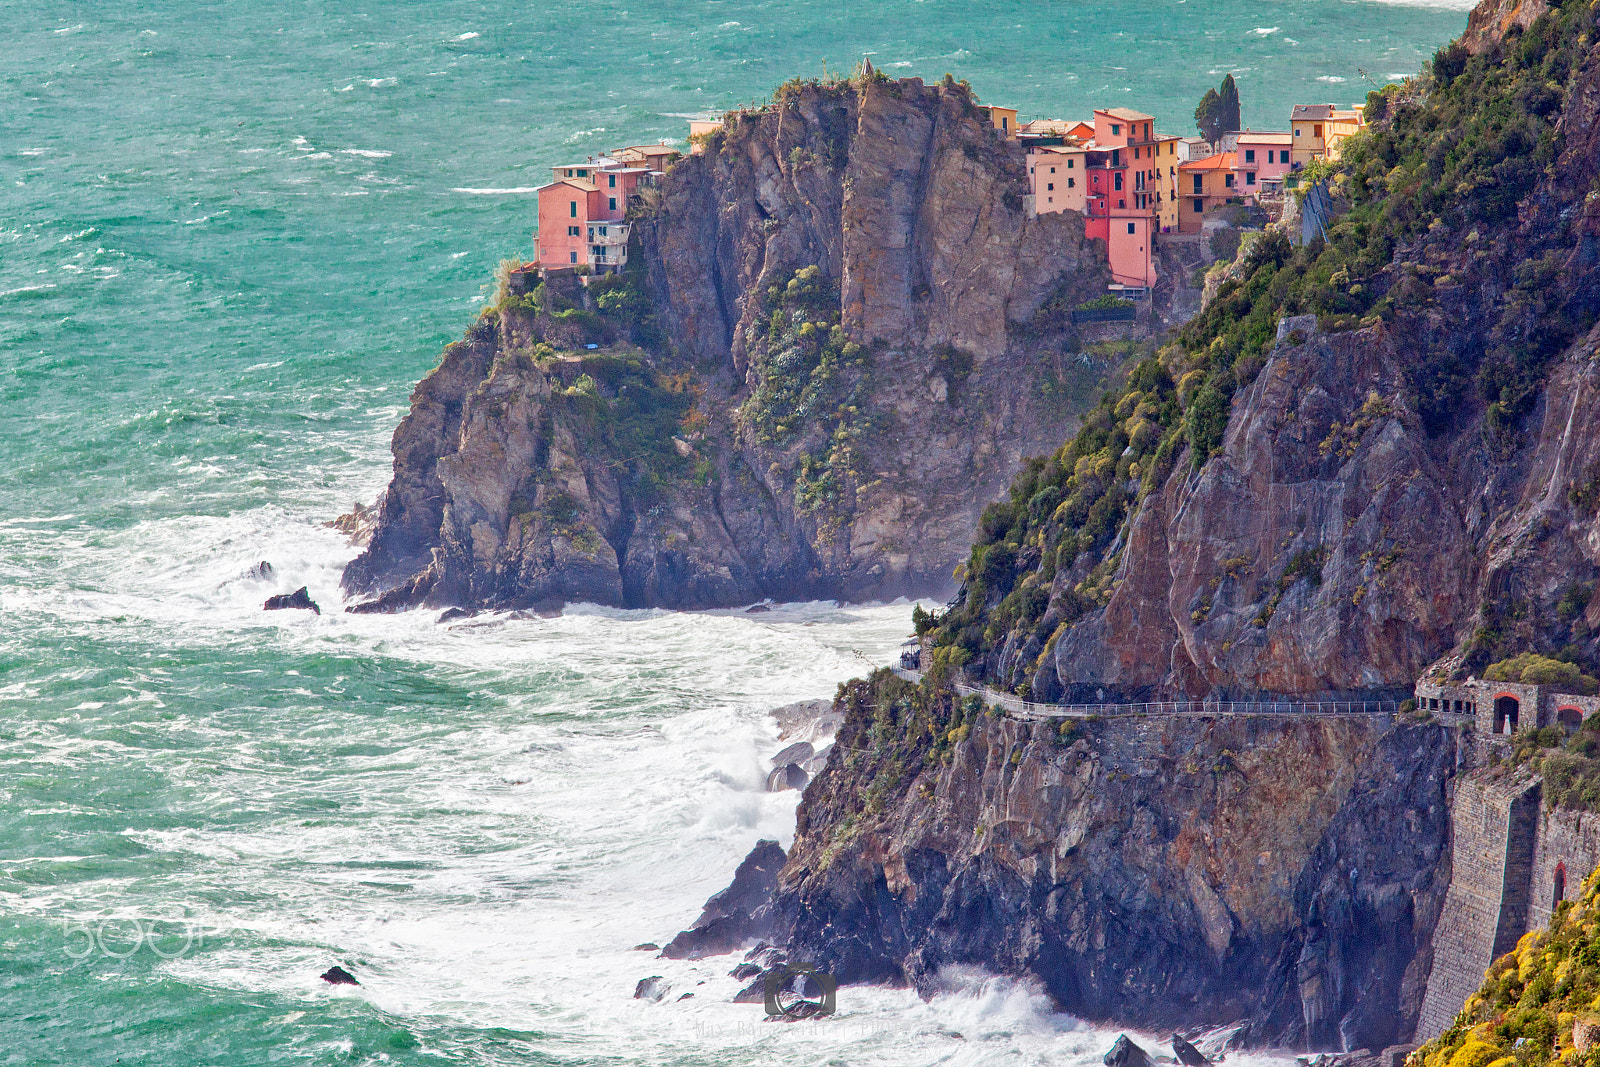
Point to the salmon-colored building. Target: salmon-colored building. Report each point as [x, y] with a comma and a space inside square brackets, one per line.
[582, 213]
[1123, 193]
[1261, 161]
[1057, 175]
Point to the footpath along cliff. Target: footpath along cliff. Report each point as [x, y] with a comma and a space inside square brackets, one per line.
[839, 333]
[1372, 455]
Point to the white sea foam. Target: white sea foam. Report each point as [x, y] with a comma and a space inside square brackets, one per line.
[368, 153]
[1331, 79]
[519, 189]
[469, 35]
[1263, 31]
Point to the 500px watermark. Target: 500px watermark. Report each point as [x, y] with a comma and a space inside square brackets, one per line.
[120, 937]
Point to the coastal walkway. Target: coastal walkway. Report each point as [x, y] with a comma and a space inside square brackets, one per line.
[1027, 709]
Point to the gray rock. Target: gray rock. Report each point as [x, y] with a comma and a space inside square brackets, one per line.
[798, 752]
[653, 988]
[788, 776]
[1124, 1053]
[300, 598]
[1187, 1054]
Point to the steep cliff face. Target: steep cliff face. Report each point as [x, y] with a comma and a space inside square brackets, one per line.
[1369, 454]
[842, 334]
[1168, 871]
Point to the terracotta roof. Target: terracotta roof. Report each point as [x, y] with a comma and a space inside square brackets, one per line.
[1126, 114]
[577, 183]
[1220, 161]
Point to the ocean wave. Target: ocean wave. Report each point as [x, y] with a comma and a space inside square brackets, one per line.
[469, 35]
[520, 189]
[367, 153]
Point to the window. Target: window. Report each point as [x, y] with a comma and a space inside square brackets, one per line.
[1122, 203]
[1249, 155]
[613, 180]
[1197, 207]
[1198, 188]
[1297, 131]
[1071, 182]
[1249, 177]
[1052, 170]
[1118, 181]
[574, 213]
[602, 231]
[1070, 162]
[1049, 187]
[1316, 131]
[1131, 228]
[1227, 180]
[613, 203]
[1116, 130]
[572, 257]
[574, 231]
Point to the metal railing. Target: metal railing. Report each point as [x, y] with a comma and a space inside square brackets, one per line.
[1028, 709]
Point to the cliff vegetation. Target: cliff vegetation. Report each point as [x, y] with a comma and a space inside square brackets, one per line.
[1539, 1004]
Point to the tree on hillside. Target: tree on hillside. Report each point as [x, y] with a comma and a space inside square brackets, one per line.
[1229, 94]
[1208, 116]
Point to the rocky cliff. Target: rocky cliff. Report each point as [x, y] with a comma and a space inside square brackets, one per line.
[1162, 871]
[1370, 454]
[839, 334]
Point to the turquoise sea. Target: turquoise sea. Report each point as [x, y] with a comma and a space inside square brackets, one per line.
[232, 236]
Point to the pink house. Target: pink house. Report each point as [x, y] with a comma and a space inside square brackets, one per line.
[581, 214]
[1261, 162]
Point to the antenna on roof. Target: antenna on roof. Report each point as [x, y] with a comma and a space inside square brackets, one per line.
[1367, 77]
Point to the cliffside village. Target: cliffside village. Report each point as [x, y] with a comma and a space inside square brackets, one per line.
[1132, 185]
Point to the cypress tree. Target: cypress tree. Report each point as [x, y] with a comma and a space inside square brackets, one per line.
[1229, 95]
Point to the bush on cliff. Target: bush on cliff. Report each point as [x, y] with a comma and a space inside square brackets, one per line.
[1532, 669]
[1524, 1013]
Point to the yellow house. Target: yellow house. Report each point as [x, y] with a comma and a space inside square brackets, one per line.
[1165, 166]
[699, 130]
[1317, 130]
[1055, 174]
[1003, 119]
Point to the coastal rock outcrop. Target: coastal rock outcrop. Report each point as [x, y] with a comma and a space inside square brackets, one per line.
[840, 331]
[300, 598]
[1163, 871]
[742, 912]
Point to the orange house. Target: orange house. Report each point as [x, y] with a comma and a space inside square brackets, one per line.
[1204, 184]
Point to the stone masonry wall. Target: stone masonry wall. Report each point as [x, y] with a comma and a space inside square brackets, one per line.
[1493, 831]
[1569, 840]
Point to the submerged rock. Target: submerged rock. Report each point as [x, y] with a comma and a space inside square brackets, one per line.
[337, 975]
[261, 572]
[1124, 1053]
[300, 598]
[742, 912]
